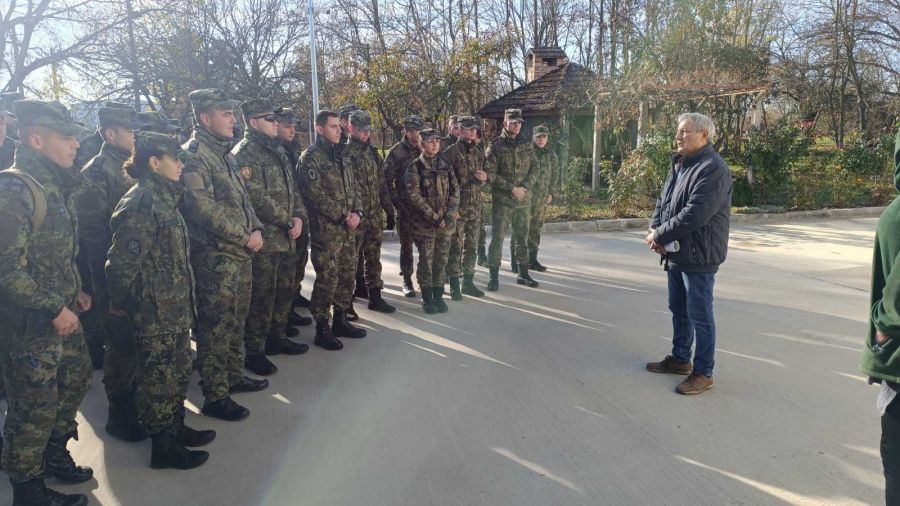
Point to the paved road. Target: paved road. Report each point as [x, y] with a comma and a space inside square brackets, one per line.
[539, 397]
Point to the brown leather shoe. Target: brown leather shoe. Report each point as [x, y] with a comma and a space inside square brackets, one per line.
[670, 365]
[694, 384]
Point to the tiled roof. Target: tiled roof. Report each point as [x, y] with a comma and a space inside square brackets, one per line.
[564, 86]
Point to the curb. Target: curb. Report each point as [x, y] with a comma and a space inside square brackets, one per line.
[618, 225]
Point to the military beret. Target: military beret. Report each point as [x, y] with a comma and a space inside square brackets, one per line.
[414, 122]
[429, 134]
[346, 109]
[52, 115]
[454, 119]
[155, 121]
[256, 108]
[210, 97]
[361, 119]
[286, 115]
[540, 130]
[513, 115]
[124, 118]
[468, 122]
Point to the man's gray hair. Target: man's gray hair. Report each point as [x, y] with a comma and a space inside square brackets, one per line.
[701, 122]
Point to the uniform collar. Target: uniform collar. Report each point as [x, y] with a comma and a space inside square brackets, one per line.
[261, 138]
[218, 144]
[35, 164]
[168, 190]
[116, 153]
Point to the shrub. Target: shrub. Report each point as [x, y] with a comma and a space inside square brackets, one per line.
[574, 189]
[638, 182]
[769, 153]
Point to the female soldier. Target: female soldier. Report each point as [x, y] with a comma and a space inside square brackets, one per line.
[150, 281]
[433, 195]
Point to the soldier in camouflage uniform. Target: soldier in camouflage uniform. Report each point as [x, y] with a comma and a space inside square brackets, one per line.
[91, 142]
[467, 161]
[344, 117]
[271, 186]
[335, 212]
[8, 133]
[400, 156]
[224, 233]
[509, 163]
[452, 133]
[287, 133]
[433, 197]
[156, 121]
[362, 158]
[43, 357]
[152, 285]
[542, 192]
[105, 184]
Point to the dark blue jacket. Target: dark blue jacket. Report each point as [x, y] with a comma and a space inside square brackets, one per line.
[694, 209]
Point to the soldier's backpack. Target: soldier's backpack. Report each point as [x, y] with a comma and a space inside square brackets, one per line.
[39, 213]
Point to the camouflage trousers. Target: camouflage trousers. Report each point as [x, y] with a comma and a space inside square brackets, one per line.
[302, 256]
[368, 249]
[271, 298]
[94, 330]
[431, 272]
[464, 246]
[162, 384]
[46, 377]
[120, 359]
[334, 259]
[406, 242]
[501, 218]
[538, 214]
[223, 301]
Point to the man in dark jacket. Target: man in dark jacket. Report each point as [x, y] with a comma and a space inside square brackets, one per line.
[689, 229]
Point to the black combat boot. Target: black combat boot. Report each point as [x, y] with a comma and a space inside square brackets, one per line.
[535, 265]
[187, 436]
[260, 365]
[525, 279]
[428, 301]
[248, 384]
[438, 298]
[168, 453]
[35, 493]
[59, 464]
[351, 313]
[341, 327]
[455, 294]
[361, 292]
[376, 303]
[276, 345]
[225, 409]
[300, 300]
[299, 320]
[325, 338]
[469, 287]
[408, 290]
[494, 284]
[122, 419]
[291, 332]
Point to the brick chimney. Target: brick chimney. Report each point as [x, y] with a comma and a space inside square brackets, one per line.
[541, 60]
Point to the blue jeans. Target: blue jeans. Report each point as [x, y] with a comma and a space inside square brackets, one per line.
[691, 304]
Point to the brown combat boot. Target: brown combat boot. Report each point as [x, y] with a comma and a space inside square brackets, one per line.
[695, 384]
[670, 365]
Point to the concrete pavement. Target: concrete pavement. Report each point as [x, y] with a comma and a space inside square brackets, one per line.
[539, 397]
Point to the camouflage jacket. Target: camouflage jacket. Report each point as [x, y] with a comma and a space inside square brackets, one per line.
[105, 184]
[272, 188]
[216, 207]
[149, 269]
[398, 159]
[466, 158]
[38, 275]
[329, 189]
[509, 163]
[7, 153]
[432, 193]
[88, 148]
[448, 141]
[546, 168]
[363, 160]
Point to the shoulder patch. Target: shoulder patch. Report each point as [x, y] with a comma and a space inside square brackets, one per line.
[193, 145]
[312, 174]
[11, 184]
[134, 247]
[246, 173]
[193, 181]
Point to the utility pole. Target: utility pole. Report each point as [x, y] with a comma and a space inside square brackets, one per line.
[132, 54]
[314, 77]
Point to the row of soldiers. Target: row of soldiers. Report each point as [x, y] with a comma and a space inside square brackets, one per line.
[153, 242]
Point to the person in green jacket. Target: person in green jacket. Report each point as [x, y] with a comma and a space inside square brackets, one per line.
[880, 358]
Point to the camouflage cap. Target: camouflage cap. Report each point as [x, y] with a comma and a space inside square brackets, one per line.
[513, 115]
[156, 121]
[540, 130]
[286, 115]
[157, 142]
[346, 109]
[414, 122]
[52, 115]
[124, 118]
[256, 108]
[8, 98]
[468, 122]
[361, 119]
[429, 134]
[210, 97]
[454, 119]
